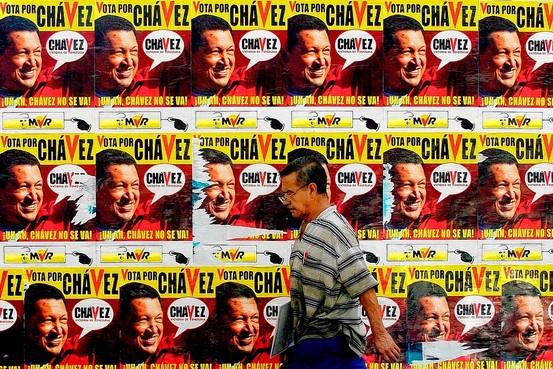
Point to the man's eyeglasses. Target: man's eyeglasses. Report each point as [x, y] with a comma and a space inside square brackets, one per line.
[286, 196]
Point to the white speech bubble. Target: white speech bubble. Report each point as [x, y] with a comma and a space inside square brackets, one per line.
[164, 180]
[187, 313]
[258, 46]
[450, 179]
[355, 45]
[92, 314]
[271, 310]
[539, 179]
[66, 46]
[355, 179]
[450, 46]
[474, 311]
[66, 179]
[162, 46]
[8, 315]
[259, 179]
[539, 47]
[389, 312]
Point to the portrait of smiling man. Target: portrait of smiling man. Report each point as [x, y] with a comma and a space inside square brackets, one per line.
[117, 189]
[500, 194]
[404, 55]
[522, 323]
[309, 55]
[47, 339]
[116, 56]
[20, 56]
[221, 193]
[409, 189]
[500, 54]
[213, 55]
[142, 329]
[21, 190]
[233, 333]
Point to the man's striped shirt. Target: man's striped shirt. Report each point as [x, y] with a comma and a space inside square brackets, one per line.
[328, 273]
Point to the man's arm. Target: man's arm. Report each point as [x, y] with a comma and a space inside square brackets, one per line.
[383, 342]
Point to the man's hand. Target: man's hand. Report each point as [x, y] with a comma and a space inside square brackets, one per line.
[383, 342]
[386, 347]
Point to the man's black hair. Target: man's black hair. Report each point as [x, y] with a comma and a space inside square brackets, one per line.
[305, 152]
[108, 157]
[488, 25]
[308, 170]
[513, 289]
[132, 291]
[108, 23]
[11, 158]
[36, 292]
[399, 155]
[418, 290]
[397, 23]
[206, 22]
[302, 22]
[213, 156]
[14, 23]
[227, 291]
[493, 156]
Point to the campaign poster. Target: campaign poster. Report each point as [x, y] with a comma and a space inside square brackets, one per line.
[514, 186]
[56, 69]
[448, 313]
[429, 185]
[333, 54]
[237, 53]
[66, 313]
[228, 316]
[141, 55]
[11, 317]
[236, 187]
[143, 186]
[429, 53]
[48, 193]
[515, 54]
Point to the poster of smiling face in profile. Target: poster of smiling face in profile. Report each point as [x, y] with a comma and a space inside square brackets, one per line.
[143, 188]
[141, 53]
[426, 188]
[515, 54]
[333, 54]
[514, 186]
[56, 69]
[430, 53]
[237, 53]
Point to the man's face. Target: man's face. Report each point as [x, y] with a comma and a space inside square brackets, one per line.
[432, 321]
[502, 192]
[213, 63]
[309, 61]
[296, 196]
[220, 195]
[119, 195]
[21, 198]
[21, 62]
[48, 326]
[501, 62]
[117, 63]
[409, 192]
[143, 328]
[405, 63]
[524, 327]
[241, 324]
